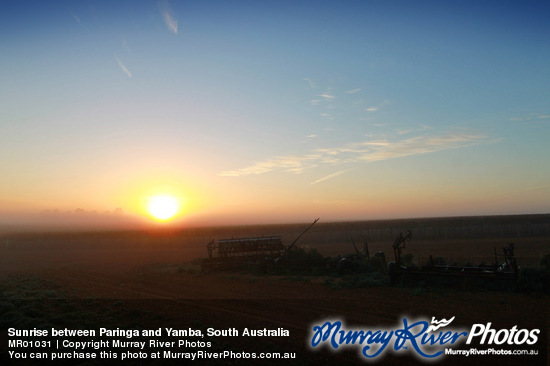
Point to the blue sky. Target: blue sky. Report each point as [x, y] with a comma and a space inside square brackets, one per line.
[276, 111]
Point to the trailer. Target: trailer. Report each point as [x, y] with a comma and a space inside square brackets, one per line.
[235, 253]
[501, 274]
[271, 246]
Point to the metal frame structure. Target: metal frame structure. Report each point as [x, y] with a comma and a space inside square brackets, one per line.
[236, 251]
[271, 246]
[507, 271]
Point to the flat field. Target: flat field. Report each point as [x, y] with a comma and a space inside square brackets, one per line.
[149, 279]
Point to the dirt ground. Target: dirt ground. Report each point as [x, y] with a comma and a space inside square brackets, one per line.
[151, 275]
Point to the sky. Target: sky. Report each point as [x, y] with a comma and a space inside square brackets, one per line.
[274, 111]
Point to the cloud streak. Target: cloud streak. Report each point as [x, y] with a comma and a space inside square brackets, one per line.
[330, 176]
[532, 118]
[123, 67]
[291, 164]
[75, 17]
[169, 20]
[538, 188]
[358, 152]
[327, 96]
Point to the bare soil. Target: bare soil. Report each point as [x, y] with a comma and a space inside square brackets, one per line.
[151, 274]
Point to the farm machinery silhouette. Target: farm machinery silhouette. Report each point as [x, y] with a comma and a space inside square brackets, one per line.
[263, 253]
[435, 271]
[269, 254]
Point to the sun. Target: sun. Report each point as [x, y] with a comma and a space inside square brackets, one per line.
[163, 207]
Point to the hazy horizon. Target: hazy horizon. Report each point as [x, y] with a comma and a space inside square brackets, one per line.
[92, 221]
[272, 112]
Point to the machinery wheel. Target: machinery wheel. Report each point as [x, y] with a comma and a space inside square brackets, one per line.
[393, 271]
[268, 265]
[344, 266]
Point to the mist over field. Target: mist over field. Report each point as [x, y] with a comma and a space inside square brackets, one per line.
[442, 235]
[153, 277]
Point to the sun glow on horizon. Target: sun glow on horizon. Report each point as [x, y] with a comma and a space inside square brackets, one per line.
[163, 207]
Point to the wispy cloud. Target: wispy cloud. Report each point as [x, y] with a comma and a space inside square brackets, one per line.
[169, 20]
[327, 96]
[416, 146]
[330, 176]
[538, 188]
[353, 91]
[533, 117]
[123, 67]
[359, 152]
[291, 164]
[311, 83]
[125, 44]
[75, 17]
[375, 108]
